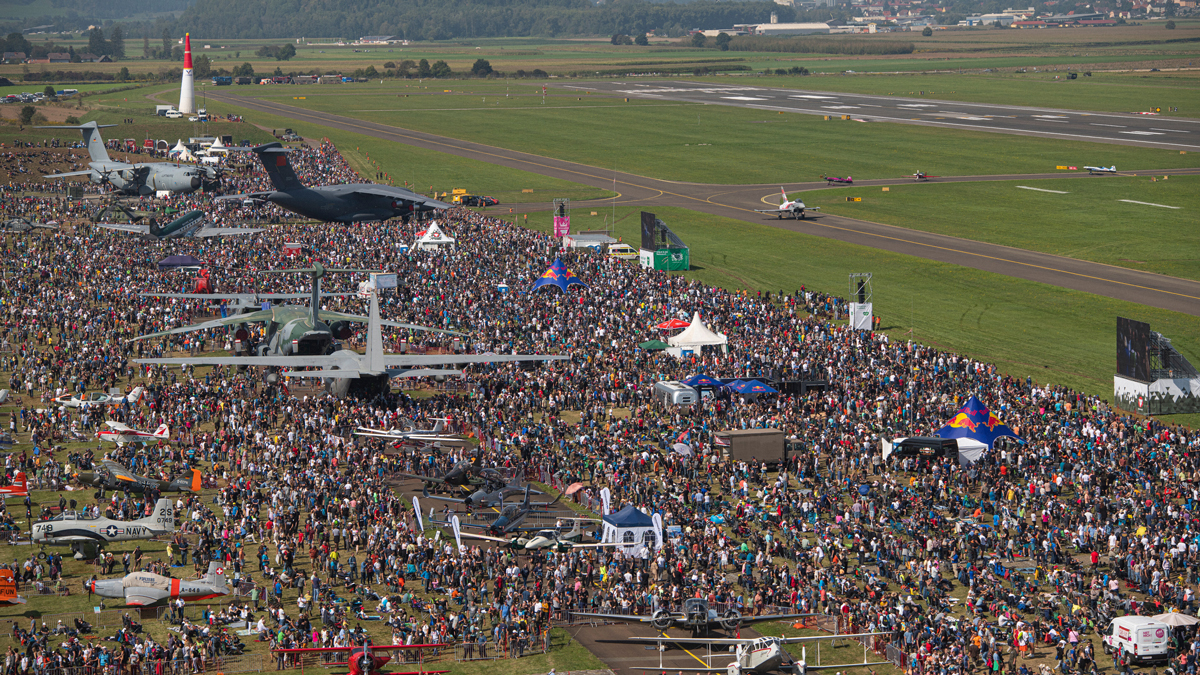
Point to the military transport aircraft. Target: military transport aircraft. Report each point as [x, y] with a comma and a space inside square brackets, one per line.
[112, 475]
[350, 203]
[292, 330]
[793, 208]
[24, 226]
[696, 616]
[190, 224]
[144, 588]
[138, 179]
[346, 372]
[86, 535]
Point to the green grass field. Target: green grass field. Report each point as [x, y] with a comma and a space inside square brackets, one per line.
[1089, 222]
[1028, 329]
[706, 143]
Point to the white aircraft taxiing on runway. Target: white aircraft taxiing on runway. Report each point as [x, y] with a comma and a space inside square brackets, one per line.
[1101, 169]
[792, 208]
[121, 434]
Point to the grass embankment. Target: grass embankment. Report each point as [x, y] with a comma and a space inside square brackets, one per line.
[1089, 221]
[711, 144]
[1029, 329]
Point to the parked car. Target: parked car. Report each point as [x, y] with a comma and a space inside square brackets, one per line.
[477, 200]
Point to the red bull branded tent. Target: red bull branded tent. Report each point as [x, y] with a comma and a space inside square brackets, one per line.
[976, 422]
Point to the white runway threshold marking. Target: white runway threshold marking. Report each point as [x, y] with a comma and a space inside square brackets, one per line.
[744, 98]
[1161, 206]
[1057, 192]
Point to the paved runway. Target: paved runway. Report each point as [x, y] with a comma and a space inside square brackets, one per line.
[739, 202]
[1123, 128]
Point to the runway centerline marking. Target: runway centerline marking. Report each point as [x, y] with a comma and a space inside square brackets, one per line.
[1057, 192]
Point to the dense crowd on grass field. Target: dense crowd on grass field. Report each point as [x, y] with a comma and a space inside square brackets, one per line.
[967, 567]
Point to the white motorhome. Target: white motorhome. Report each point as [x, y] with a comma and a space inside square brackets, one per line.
[1141, 638]
[671, 393]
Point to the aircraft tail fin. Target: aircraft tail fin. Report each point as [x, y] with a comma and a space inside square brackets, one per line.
[163, 518]
[437, 428]
[195, 480]
[8, 588]
[91, 138]
[19, 487]
[216, 576]
[162, 432]
[274, 159]
[782, 196]
[135, 395]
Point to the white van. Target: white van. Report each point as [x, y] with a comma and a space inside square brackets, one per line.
[622, 251]
[1141, 638]
[675, 393]
[173, 114]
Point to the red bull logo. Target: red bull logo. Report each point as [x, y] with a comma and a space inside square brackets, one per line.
[992, 422]
[963, 421]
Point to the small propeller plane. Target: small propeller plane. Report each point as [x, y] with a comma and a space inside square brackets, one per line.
[491, 494]
[921, 175]
[512, 515]
[696, 616]
[141, 589]
[121, 434]
[793, 208]
[110, 475]
[830, 180]
[99, 398]
[1101, 170]
[759, 655]
[19, 487]
[86, 535]
[363, 660]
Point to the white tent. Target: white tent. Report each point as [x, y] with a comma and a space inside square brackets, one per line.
[696, 335]
[433, 239]
[180, 152]
[970, 450]
[632, 529]
[218, 146]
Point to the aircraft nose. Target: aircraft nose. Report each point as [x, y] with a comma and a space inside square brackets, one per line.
[195, 182]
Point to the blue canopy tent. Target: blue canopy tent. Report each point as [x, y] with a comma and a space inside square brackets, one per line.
[751, 387]
[702, 380]
[975, 421]
[558, 276]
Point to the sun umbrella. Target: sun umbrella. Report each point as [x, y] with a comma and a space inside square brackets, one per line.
[674, 324]
[651, 345]
[1177, 619]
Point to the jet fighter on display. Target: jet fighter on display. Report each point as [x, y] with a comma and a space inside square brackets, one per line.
[110, 475]
[190, 224]
[138, 179]
[86, 535]
[140, 589]
[830, 180]
[792, 208]
[350, 203]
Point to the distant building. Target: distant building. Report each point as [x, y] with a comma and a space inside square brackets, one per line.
[59, 57]
[14, 57]
[1029, 24]
[377, 40]
[791, 28]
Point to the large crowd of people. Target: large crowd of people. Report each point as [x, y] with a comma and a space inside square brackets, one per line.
[1088, 516]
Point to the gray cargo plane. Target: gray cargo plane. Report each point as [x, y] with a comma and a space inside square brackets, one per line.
[137, 179]
[351, 203]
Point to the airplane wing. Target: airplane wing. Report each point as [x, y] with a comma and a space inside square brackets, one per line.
[268, 361]
[339, 316]
[72, 173]
[250, 317]
[625, 618]
[125, 227]
[764, 211]
[141, 595]
[226, 231]
[471, 535]
[614, 543]
[117, 426]
[119, 472]
[427, 479]
[257, 196]
[323, 373]
[398, 193]
[747, 620]
[738, 641]
[441, 359]
[235, 296]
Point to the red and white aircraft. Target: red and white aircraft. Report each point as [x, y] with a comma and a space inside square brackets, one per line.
[793, 208]
[121, 434]
[19, 487]
[921, 175]
[363, 660]
[830, 180]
